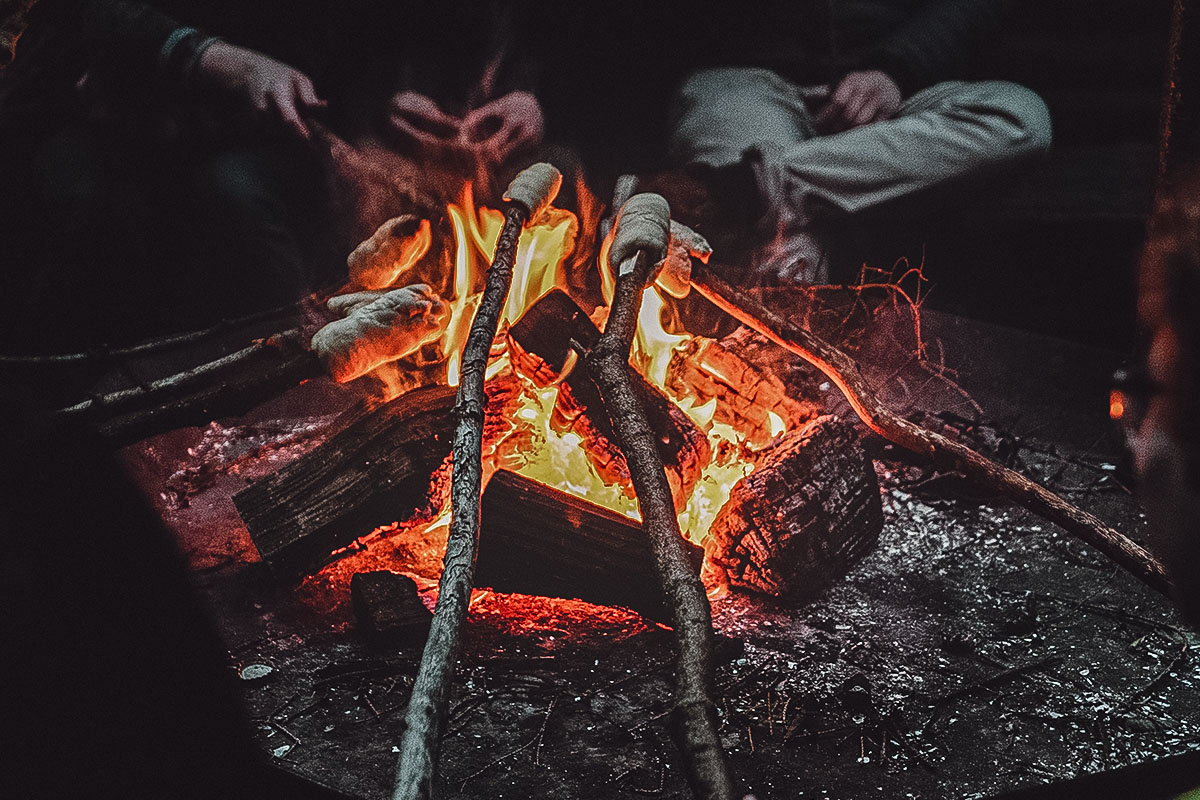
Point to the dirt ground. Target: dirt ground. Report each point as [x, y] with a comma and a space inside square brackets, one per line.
[976, 650]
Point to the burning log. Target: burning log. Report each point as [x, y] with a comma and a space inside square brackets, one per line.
[537, 540]
[843, 373]
[539, 342]
[746, 394]
[370, 472]
[640, 239]
[388, 609]
[807, 513]
[527, 196]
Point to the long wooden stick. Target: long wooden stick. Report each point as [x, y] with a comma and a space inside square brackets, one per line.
[693, 718]
[426, 714]
[285, 343]
[843, 373]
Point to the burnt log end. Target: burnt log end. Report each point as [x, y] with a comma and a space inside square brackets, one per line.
[374, 472]
[804, 517]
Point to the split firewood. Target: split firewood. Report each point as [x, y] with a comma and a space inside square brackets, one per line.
[392, 250]
[383, 330]
[944, 452]
[808, 512]
[746, 393]
[640, 240]
[530, 193]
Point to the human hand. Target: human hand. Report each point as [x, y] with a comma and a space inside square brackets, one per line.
[859, 99]
[272, 89]
[504, 126]
[420, 120]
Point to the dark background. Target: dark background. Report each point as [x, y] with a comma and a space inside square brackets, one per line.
[1053, 249]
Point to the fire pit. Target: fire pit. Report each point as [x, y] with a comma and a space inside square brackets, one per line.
[954, 658]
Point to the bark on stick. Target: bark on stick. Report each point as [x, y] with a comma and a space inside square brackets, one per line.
[425, 718]
[693, 719]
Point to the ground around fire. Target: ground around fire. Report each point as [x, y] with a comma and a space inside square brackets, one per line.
[976, 650]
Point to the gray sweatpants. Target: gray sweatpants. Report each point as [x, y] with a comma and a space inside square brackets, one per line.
[949, 130]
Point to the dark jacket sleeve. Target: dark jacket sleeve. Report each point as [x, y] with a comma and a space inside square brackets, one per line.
[934, 43]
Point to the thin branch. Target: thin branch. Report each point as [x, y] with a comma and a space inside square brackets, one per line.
[425, 718]
[946, 453]
[173, 385]
[172, 341]
[693, 718]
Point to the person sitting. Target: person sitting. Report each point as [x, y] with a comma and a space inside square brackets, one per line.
[160, 160]
[823, 108]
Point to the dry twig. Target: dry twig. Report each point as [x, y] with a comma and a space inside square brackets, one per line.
[945, 453]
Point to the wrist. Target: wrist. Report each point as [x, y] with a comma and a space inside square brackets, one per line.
[181, 53]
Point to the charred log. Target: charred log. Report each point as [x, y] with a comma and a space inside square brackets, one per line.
[388, 609]
[538, 540]
[804, 517]
[375, 471]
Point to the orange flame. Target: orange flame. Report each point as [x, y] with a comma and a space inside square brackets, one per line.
[529, 443]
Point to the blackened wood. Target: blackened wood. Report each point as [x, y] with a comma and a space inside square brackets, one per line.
[804, 517]
[388, 609]
[374, 472]
[535, 539]
[540, 343]
[945, 453]
[693, 716]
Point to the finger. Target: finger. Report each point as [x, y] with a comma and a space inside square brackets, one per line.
[854, 106]
[845, 90]
[868, 113]
[307, 93]
[285, 108]
[403, 127]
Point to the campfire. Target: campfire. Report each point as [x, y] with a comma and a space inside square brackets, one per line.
[548, 427]
[599, 482]
[719, 417]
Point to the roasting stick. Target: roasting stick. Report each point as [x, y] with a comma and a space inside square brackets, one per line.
[843, 372]
[527, 196]
[639, 243]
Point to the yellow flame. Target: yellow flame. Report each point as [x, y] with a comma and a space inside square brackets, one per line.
[529, 443]
[653, 346]
[464, 268]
